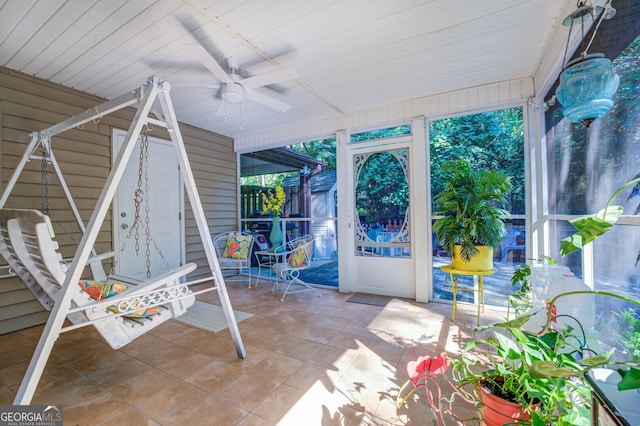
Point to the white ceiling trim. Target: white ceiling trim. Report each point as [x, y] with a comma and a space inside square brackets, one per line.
[466, 100]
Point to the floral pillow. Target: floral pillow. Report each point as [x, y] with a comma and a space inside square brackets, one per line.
[299, 256]
[237, 246]
[99, 290]
[140, 313]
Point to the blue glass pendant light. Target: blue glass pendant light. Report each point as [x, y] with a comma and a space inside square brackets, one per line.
[588, 83]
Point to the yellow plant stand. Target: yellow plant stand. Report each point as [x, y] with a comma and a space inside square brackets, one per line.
[454, 274]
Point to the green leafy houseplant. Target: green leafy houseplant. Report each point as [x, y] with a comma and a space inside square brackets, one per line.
[472, 208]
[536, 371]
[540, 373]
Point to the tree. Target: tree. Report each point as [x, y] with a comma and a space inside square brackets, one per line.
[491, 140]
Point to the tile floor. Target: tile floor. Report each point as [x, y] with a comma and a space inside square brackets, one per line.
[310, 361]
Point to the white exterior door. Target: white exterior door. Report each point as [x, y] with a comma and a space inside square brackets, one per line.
[138, 254]
[381, 257]
[383, 198]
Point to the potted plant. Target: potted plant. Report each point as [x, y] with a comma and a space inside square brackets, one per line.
[501, 371]
[540, 375]
[472, 213]
[273, 203]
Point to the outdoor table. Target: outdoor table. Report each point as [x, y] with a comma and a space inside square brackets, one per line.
[477, 287]
[267, 258]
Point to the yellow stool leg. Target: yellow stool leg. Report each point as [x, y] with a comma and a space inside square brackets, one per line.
[480, 297]
[454, 290]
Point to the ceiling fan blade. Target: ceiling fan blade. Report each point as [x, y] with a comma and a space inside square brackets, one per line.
[267, 101]
[196, 86]
[210, 63]
[269, 78]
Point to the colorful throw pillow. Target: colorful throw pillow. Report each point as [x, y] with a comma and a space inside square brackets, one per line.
[297, 258]
[140, 313]
[237, 246]
[98, 290]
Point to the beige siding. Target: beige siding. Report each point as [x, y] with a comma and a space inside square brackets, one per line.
[28, 104]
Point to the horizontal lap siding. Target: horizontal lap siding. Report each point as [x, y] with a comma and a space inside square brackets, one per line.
[213, 163]
[29, 104]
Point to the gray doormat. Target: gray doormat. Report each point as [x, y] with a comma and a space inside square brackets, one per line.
[208, 317]
[370, 299]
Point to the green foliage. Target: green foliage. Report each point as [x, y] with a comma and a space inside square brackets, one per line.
[539, 371]
[629, 324]
[323, 149]
[491, 140]
[471, 204]
[527, 370]
[593, 226]
[382, 189]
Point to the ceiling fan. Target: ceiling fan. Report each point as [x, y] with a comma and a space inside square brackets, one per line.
[235, 89]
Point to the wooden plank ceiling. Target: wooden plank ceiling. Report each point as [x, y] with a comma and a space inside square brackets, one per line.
[350, 55]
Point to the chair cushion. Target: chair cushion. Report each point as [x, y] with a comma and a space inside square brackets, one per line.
[99, 290]
[237, 246]
[297, 258]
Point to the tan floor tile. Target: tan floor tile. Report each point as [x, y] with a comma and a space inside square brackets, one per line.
[112, 374]
[271, 340]
[160, 396]
[205, 342]
[299, 348]
[309, 374]
[214, 375]
[330, 356]
[6, 395]
[130, 417]
[321, 406]
[346, 340]
[277, 367]
[184, 365]
[247, 390]
[9, 343]
[96, 411]
[278, 403]
[212, 411]
[253, 420]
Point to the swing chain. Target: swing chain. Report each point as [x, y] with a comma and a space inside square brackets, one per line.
[146, 203]
[44, 180]
[142, 195]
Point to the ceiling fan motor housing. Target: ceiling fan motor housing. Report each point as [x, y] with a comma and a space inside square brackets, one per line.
[234, 93]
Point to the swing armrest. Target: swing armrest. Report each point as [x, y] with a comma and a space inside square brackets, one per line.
[95, 263]
[100, 257]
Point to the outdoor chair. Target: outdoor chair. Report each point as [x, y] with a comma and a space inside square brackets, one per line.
[514, 242]
[296, 258]
[234, 250]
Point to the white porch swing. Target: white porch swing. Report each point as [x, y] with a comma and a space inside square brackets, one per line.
[27, 244]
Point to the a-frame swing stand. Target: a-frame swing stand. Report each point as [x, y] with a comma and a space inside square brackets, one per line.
[144, 98]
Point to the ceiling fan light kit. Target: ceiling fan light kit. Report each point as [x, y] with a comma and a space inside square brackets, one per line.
[234, 93]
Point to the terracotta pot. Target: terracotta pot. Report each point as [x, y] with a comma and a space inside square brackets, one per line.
[498, 411]
[483, 261]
